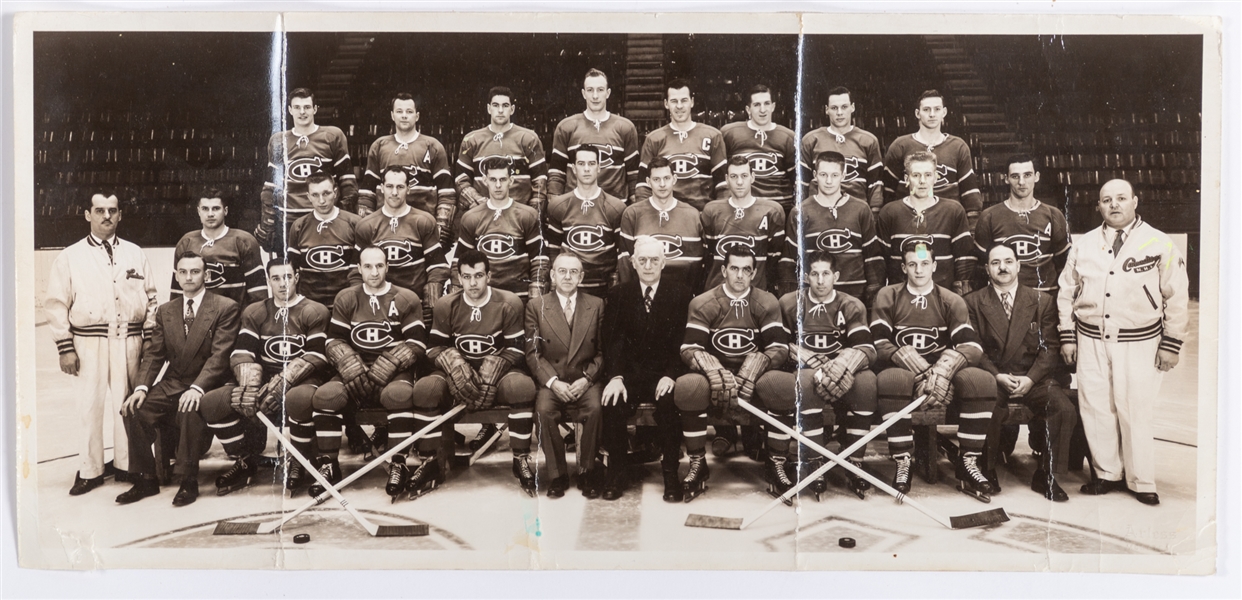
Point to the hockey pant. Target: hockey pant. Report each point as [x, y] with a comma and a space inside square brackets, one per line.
[974, 392]
[515, 390]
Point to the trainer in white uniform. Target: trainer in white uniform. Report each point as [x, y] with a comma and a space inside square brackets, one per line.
[100, 301]
[1123, 312]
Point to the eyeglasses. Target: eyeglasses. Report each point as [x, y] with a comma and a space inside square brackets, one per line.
[571, 272]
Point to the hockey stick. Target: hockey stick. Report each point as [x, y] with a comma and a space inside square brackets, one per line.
[989, 517]
[488, 444]
[735, 523]
[251, 528]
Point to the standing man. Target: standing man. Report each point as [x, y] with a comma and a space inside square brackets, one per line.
[429, 180]
[565, 353]
[1036, 231]
[863, 166]
[673, 223]
[292, 157]
[100, 306]
[643, 329]
[502, 139]
[194, 334]
[1017, 328]
[323, 244]
[743, 220]
[234, 264]
[769, 148]
[507, 233]
[614, 135]
[695, 151]
[1123, 307]
[587, 222]
[955, 173]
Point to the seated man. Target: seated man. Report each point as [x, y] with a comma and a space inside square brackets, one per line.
[476, 343]
[565, 353]
[278, 363]
[734, 334]
[194, 335]
[375, 340]
[829, 359]
[917, 322]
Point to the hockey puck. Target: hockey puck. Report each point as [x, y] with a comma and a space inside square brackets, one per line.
[302, 538]
[846, 542]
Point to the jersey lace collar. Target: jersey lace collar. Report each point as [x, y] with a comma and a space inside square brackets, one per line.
[209, 242]
[324, 222]
[840, 136]
[476, 311]
[402, 146]
[739, 303]
[304, 139]
[596, 123]
[819, 306]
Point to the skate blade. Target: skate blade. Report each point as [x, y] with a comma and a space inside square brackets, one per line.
[775, 494]
[224, 491]
[419, 493]
[688, 495]
[977, 495]
[710, 522]
[995, 516]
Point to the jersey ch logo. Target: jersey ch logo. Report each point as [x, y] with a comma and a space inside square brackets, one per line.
[302, 168]
[476, 346]
[400, 253]
[325, 258]
[684, 166]
[281, 348]
[763, 164]
[728, 241]
[734, 341]
[822, 343]
[834, 240]
[371, 336]
[605, 155]
[672, 245]
[214, 275]
[585, 238]
[1026, 247]
[923, 339]
[851, 170]
[497, 246]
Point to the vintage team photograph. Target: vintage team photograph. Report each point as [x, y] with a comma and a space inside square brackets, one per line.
[511, 294]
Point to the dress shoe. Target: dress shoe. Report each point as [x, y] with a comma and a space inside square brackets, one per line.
[188, 492]
[1148, 498]
[614, 483]
[1099, 487]
[81, 486]
[1042, 483]
[557, 487]
[144, 486]
[590, 484]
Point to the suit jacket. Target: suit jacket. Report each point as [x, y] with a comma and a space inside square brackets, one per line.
[640, 342]
[200, 358]
[554, 350]
[1026, 344]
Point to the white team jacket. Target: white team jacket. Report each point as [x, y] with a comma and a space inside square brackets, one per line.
[87, 296]
[1139, 294]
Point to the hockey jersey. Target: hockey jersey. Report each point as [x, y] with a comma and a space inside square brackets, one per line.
[519, 146]
[510, 239]
[372, 324]
[412, 244]
[326, 251]
[494, 328]
[772, 155]
[234, 266]
[826, 327]
[590, 228]
[761, 227]
[1039, 238]
[292, 158]
[942, 225]
[929, 322]
[847, 231]
[617, 140]
[955, 171]
[730, 328]
[680, 230]
[698, 161]
[424, 160]
[863, 164]
[273, 336]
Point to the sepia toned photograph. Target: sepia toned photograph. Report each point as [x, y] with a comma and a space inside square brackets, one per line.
[794, 292]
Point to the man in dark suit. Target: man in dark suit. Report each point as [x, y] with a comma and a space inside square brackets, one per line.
[644, 324]
[194, 334]
[564, 350]
[1017, 327]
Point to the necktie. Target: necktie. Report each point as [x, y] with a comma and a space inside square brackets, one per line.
[647, 299]
[189, 315]
[1007, 303]
[569, 312]
[108, 246]
[1117, 243]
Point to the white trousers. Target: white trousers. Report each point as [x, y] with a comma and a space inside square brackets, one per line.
[1118, 384]
[108, 367]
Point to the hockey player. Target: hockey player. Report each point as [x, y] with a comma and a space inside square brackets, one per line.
[695, 151]
[863, 167]
[376, 339]
[1036, 231]
[835, 222]
[429, 183]
[278, 363]
[478, 346]
[926, 345]
[742, 220]
[323, 244]
[924, 217]
[674, 223]
[587, 222]
[507, 233]
[502, 139]
[234, 264]
[614, 135]
[955, 171]
[734, 335]
[770, 149]
[828, 363]
[294, 155]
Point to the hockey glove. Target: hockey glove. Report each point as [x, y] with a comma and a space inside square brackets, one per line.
[909, 359]
[462, 381]
[723, 384]
[812, 360]
[272, 394]
[838, 377]
[490, 372]
[352, 371]
[246, 395]
[445, 211]
[264, 232]
[756, 364]
[938, 384]
[467, 196]
[394, 360]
